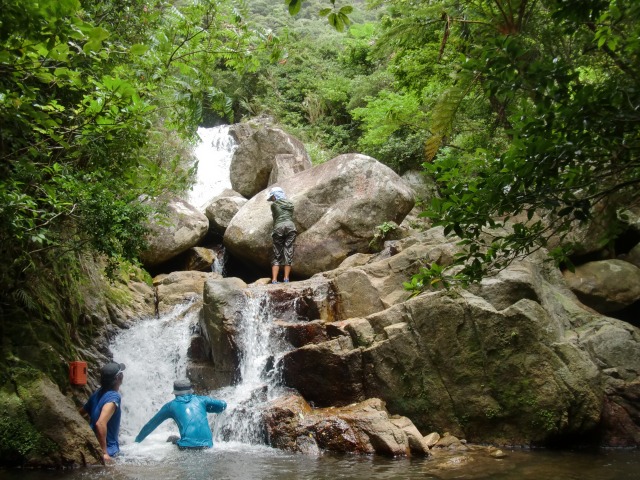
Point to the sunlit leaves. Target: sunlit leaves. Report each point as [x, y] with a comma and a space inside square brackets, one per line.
[570, 144]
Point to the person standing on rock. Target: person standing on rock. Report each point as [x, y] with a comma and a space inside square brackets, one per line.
[103, 409]
[189, 411]
[283, 234]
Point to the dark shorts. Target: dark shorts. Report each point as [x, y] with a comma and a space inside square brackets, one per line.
[283, 237]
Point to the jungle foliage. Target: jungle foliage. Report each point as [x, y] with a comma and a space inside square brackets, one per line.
[526, 113]
[99, 101]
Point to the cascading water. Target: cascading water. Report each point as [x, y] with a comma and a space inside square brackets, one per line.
[213, 154]
[261, 345]
[155, 350]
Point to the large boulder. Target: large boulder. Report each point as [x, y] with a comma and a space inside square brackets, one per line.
[222, 209]
[180, 287]
[338, 206]
[255, 158]
[224, 302]
[605, 285]
[40, 427]
[365, 427]
[285, 166]
[181, 227]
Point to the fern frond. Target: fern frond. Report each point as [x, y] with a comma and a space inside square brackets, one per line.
[444, 113]
[24, 298]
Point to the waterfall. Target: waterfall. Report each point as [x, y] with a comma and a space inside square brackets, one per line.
[155, 353]
[262, 345]
[213, 154]
[155, 350]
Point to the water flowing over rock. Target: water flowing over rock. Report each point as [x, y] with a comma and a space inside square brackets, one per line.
[255, 158]
[338, 206]
[223, 303]
[183, 229]
[441, 358]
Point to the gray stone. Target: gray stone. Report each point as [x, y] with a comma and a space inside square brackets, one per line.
[181, 228]
[606, 285]
[338, 205]
[255, 157]
[222, 209]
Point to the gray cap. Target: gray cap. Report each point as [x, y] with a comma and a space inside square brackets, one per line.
[182, 387]
[109, 372]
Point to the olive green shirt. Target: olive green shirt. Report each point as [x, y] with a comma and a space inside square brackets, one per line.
[282, 212]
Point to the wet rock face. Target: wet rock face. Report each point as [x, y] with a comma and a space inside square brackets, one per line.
[303, 333]
[328, 374]
[363, 428]
[223, 302]
[300, 310]
[621, 414]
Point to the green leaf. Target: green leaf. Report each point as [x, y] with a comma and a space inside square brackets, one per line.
[294, 6]
[139, 49]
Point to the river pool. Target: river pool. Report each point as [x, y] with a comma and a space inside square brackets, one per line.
[239, 462]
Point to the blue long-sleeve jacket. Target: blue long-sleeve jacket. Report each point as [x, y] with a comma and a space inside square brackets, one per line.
[190, 414]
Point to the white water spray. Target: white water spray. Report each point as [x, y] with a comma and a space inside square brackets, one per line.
[155, 352]
[214, 155]
[262, 345]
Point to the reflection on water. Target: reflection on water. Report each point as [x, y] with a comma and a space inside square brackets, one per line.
[240, 461]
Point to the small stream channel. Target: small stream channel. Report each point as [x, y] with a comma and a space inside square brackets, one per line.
[155, 352]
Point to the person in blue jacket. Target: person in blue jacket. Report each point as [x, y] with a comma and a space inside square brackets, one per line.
[189, 411]
[103, 409]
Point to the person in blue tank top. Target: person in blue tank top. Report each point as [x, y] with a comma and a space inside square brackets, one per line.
[104, 408]
[189, 411]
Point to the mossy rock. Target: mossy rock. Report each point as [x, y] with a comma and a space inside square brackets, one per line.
[19, 438]
[40, 427]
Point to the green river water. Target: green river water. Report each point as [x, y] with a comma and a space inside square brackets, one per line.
[237, 461]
